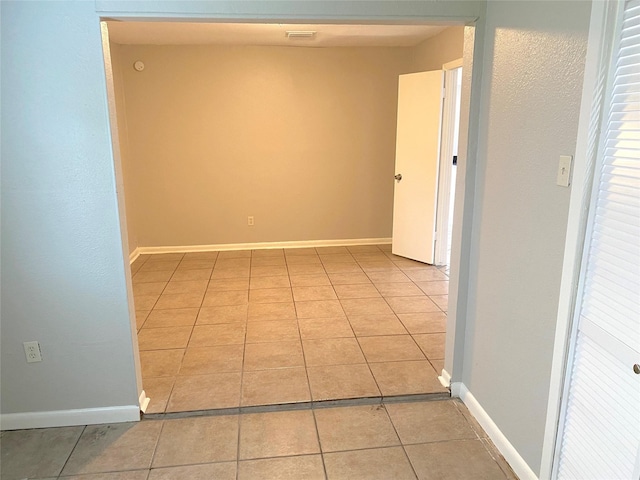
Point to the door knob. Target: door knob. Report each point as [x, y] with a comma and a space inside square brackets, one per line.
[398, 177]
[636, 369]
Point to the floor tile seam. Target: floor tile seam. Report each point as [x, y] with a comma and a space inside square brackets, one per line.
[363, 449]
[412, 339]
[75, 445]
[431, 362]
[215, 412]
[184, 352]
[241, 390]
[155, 446]
[173, 385]
[413, 469]
[388, 334]
[298, 455]
[385, 361]
[145, 258]
[401, 361]
[274, 457]
[362, 352]
[62, 477]
[369, 448]
[304, 356]
[315, 423]
[415, 473]
[242, 369]
[324, 452]
[154, 303]
[194, 464]
[297, 406]
[304, 359]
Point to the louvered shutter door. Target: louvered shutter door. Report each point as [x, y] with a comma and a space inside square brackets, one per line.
[601, 427]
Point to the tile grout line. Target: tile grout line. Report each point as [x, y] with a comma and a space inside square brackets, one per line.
[244, 348]
[145, 321]
[188, 341]
[400, 441]
[321, 452]
[304, 357]
[75, 445]
[360, 345]
[175, 379]
[297, 406]
[155, 447]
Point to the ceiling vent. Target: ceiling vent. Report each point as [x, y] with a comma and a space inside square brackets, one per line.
[308, 34]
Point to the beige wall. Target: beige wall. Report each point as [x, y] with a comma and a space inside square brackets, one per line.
[438, 50]
[303, 139]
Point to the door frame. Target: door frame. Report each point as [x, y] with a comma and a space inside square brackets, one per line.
[443, 213]
[464, 13]
[601, 35]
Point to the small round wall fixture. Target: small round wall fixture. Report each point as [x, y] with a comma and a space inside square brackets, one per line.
[138, 66]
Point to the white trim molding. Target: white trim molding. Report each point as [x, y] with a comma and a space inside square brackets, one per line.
[65, 418]
[134, 255]
[504, 446]
[143, 401]
[445, 378]
[456, 388]
[221, 247]
[448, 127]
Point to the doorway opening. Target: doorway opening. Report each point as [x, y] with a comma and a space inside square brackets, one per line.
[264, 318]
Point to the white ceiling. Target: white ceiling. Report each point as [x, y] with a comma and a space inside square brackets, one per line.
[182, 33]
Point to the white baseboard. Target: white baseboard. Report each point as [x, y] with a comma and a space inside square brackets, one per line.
[445, 378]
[508, 451]
[257, 246]
[143, 401]
[134, 255]
[456, 387]
[65, 418]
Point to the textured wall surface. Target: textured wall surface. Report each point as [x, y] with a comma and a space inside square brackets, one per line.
[63, 272]
[532, 84]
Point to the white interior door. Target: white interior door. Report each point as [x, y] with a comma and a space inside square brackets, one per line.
[417, 154]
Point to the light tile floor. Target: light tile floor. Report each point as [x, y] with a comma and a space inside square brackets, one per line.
[436, 440]
[287, 326]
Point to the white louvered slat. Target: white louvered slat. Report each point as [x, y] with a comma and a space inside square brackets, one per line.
[599, 440]
[600, 434]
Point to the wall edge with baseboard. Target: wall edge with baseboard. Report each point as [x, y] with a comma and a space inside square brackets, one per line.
[66, 418]
[134, 255]
[445, 378]
[220, 247]
[504, 446]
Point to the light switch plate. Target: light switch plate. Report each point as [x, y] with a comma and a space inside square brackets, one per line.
[564, 170]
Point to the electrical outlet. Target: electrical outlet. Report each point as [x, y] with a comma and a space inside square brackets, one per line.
[250, 221]
[32, 351]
